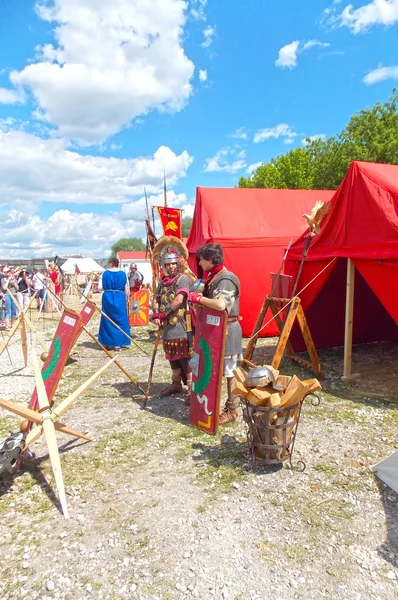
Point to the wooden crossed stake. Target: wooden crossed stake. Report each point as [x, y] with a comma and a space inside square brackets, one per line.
[22, 321]
[46, 420]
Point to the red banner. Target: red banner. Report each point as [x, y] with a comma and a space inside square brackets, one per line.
[207, 365]
[139, 308]
[150, 236]
[171, 220]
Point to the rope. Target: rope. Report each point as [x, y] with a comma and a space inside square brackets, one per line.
[291, 300]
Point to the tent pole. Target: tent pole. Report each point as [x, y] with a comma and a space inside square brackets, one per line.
[349, 315]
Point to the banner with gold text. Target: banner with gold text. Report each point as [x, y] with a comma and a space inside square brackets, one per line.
[171, 220]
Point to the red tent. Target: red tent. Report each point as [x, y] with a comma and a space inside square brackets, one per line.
[254, 227]
[362, 226]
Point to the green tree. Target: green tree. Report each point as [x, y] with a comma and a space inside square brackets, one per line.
[291, 170]
[371, 135]
[186, 224]
[126, 245]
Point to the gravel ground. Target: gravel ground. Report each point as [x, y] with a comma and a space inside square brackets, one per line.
[162, 511]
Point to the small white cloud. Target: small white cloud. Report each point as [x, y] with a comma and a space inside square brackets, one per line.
[208, 34]
[381, 74]
[198, 10]
[228, 160]
[282, 130]
[288, 56]
[360, 20]
[313, 138]
[202, 75]
[253, 167]
[314, 44]
[10, 96]
[239, 134]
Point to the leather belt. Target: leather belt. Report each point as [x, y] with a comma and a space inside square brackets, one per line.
[234, 319]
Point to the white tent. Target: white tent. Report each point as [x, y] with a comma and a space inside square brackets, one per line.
[84, 265]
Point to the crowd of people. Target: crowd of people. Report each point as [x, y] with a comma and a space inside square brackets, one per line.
[172, 299]
[17, 285]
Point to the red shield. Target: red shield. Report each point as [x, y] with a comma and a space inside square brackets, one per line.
[68, 330]
[207, 368]
[139, 308]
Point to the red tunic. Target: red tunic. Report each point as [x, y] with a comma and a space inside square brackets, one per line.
[56, 281]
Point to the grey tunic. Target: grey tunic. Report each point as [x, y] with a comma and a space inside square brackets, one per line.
[226, 285]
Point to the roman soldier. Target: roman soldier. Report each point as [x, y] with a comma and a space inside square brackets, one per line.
[221, 291]
[170, 310]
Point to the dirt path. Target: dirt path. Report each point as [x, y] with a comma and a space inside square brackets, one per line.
[162, 511]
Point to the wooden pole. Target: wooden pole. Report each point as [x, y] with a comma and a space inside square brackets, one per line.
[349, 315]
[117, 363]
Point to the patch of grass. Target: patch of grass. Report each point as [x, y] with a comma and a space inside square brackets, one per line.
[222, 480]
[297, 553]
[268, 551]
[326, 468]
[42, 504]
[201, 508]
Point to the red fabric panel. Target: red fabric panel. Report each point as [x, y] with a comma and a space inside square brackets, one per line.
[254, 276]
[363, 221]
[326, 315]
[310, 271]
[382, 277]
[253, 226]
[362, 225]
[250, 215]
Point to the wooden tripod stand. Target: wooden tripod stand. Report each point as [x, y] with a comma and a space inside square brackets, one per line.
[285, 327]
[22, 321]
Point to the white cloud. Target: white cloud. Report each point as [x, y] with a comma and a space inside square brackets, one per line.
[312, 138]
[380, 74]
[111, 62]
[253, 167]
[188, 210]
[288, 54]
[228, 160]
[198, 10]
[282, 130]
[137, 209]
[10, 96]
[202, 75]
[239, 134]
[208, 33]
[33, 169]
[314, 44]
[63, 232]
[359, 20]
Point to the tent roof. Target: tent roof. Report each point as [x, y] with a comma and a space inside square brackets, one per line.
[237, 217]
[363, 221]
[85, 265]
[131, 254]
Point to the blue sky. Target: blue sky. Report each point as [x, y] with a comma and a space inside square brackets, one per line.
[99, 98]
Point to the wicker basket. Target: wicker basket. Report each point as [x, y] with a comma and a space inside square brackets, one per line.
[271, 431]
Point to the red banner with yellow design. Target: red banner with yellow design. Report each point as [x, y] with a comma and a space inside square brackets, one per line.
[171, 220]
